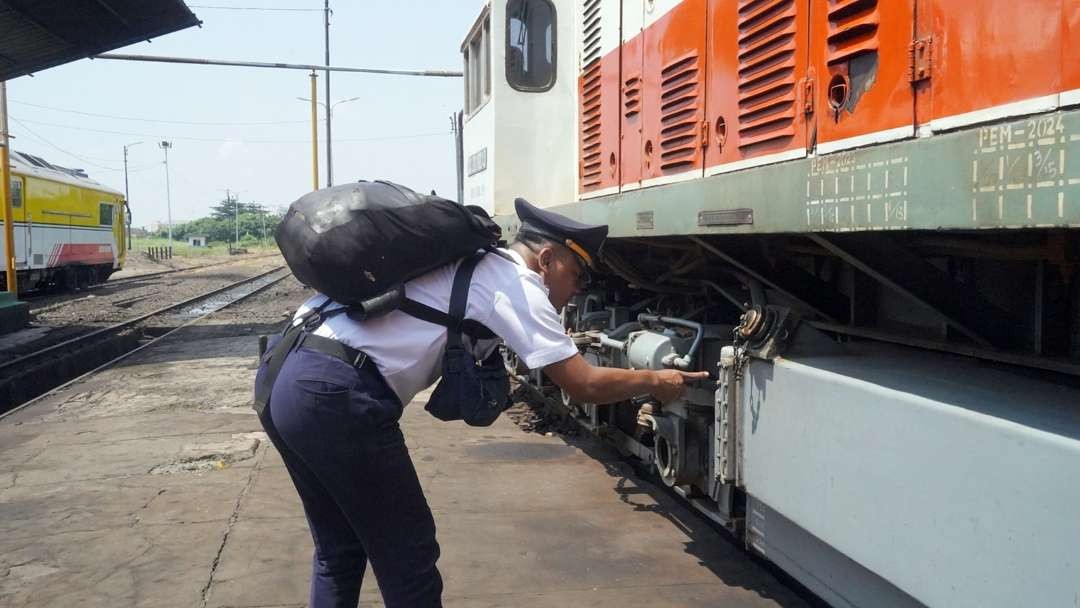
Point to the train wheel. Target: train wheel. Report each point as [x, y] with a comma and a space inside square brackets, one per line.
[69, 278]
[104, 272]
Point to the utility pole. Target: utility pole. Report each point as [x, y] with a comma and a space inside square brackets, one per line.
[236, 214]
[262, 214]
[329, 149]
[329, 112]
[127, 196]
[165, 145]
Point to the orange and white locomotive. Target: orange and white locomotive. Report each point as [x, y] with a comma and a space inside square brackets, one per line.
[861, 217]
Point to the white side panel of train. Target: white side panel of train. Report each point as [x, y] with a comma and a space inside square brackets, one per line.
[39, 246]
[950, 479]
[524, 143]
[535, 132]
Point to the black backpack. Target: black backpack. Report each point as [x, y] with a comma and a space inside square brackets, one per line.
[358, 243]
[388, 234]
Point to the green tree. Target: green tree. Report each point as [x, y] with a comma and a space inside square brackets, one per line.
[228, 207]
[255, 223]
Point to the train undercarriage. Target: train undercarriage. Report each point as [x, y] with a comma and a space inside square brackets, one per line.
[65, 278]
[881, 408]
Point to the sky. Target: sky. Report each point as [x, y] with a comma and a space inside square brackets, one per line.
[83, 113]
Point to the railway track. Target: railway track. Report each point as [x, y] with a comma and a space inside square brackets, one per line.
[65, 298]
[33, 374]
[151, 275]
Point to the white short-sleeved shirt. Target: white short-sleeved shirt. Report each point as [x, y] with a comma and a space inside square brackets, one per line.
[507, 298]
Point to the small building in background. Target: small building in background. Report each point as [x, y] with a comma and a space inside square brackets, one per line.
[196, 240]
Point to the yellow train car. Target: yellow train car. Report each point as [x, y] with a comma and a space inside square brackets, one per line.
[70, 230]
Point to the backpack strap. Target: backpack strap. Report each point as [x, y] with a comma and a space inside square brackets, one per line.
[291, 336]
[454, 321]
[502, 254]
[459, 297]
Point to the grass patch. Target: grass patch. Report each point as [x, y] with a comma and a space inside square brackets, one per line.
[182, 249]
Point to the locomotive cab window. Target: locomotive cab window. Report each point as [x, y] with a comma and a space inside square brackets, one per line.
[476, 54]
[16, 193]
[530, 45]
[106, 213]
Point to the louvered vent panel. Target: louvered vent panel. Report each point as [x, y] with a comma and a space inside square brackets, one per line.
[590, 32]
[680, 113]
[853, 28]
[632, 96]
[590, 94]
[590, 126]
[767, 91]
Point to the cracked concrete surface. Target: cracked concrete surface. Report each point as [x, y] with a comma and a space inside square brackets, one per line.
[151, 484]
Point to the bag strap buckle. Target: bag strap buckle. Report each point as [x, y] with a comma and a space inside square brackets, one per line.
[313, 322]
[360, 360]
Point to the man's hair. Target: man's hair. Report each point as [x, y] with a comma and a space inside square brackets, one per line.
[533, 241]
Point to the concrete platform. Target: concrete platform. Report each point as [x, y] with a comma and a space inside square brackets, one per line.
[150, 484]
[14, 315]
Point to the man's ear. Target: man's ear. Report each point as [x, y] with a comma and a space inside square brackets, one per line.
[545, 258]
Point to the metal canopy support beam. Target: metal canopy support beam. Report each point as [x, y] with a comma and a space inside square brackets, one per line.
[112, 11]
[788, 279]
[280, 66]
[901, 270]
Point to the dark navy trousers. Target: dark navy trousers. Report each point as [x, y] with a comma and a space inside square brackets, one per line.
[336, 428]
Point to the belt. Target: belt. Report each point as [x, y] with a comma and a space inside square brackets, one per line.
[352, 356]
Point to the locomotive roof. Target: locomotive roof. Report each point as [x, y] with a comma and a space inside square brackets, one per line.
[28, 164]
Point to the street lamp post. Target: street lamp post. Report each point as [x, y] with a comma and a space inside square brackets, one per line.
[329, 143]
[314, 135]
[165, 145]
[127, 195]
[262, 215]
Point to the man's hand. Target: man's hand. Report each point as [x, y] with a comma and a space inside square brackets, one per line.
[671, 383]
[589, 384]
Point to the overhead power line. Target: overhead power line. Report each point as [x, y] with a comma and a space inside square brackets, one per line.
[159, 120]
[58, 148]
[256, 8]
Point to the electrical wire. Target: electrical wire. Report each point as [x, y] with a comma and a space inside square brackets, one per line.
[164, 121]
[227, 140]
[255, 8]
[58, 148]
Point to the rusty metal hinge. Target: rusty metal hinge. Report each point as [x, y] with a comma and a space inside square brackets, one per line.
[920, 59]
[704, 134]
[808, 95]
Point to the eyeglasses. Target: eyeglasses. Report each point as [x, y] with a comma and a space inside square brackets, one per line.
[584, 276]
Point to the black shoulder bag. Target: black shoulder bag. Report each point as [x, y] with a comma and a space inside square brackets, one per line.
[470, 390]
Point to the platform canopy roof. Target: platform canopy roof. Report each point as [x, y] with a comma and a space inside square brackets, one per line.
[40, 34]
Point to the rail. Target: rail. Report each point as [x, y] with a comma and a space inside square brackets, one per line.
[33, 294]
[261, 281]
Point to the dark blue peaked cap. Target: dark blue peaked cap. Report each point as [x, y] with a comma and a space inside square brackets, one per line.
[583, 239]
